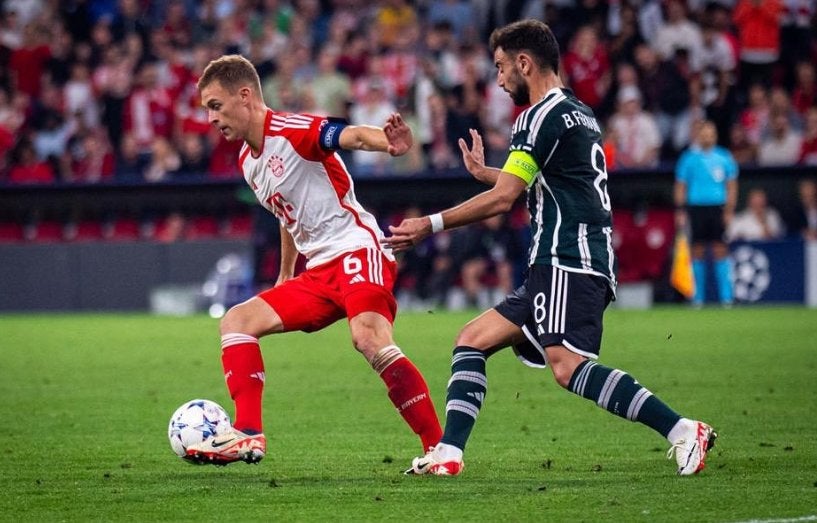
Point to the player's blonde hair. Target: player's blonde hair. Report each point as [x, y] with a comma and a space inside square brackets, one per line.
[232, 71]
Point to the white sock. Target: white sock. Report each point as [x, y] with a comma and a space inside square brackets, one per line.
[680, 429]
[445, 452]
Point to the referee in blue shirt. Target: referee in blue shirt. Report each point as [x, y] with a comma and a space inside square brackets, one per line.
[706, 186]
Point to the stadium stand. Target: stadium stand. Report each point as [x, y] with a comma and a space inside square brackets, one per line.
[98, 101]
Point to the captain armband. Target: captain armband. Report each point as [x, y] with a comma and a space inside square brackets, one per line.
[522, 165]
[330, 133]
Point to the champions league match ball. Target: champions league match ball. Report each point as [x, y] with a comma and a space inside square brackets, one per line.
[194, 422]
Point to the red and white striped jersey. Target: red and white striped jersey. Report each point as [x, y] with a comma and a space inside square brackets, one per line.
[309, 189]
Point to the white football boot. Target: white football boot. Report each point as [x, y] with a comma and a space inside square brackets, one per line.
[228, 448]
[691, 447]
[442, 460]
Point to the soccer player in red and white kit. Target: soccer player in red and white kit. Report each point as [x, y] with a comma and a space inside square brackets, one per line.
[290, 162]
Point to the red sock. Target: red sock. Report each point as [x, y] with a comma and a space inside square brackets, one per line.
[244, 373]
[409, 393]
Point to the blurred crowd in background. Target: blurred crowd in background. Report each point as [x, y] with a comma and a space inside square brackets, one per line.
[105, 89]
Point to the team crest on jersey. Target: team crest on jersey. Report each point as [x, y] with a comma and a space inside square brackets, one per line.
[276, 165]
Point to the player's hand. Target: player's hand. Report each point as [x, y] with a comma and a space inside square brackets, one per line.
[406, 235]
[473, 158]
[398, 134]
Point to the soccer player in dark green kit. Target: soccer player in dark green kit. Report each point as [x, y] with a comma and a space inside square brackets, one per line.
[555, 318]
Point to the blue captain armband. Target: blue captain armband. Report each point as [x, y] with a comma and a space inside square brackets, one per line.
[330, 133]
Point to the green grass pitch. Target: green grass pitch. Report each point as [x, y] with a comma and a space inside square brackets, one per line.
[86, 401]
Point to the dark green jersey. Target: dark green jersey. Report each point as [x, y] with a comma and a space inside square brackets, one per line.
[567, 196]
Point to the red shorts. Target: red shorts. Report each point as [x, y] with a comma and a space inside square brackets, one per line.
[360, 281]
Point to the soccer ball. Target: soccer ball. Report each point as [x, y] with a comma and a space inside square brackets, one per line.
[194, 422]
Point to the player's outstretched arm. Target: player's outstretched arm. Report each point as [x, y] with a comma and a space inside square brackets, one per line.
[474, 159]
[494, 201]
[394, 138]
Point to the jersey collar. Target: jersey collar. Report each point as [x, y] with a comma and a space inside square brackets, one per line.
[553, 90]
[267, 121]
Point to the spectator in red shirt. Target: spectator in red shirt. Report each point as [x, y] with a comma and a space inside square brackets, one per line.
[11, 119]
[755, 117]
[6, 143]
[26, 168]
[758, 24]
[190, 116]
[808, 150]
[177, 25]
[588, 67]
[223, 163]
[354, 58]
[92, 158]
[804, 96]
[149, 108]
[28, 62]
[173, 71]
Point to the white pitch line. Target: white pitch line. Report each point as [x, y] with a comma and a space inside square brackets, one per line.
[812, 517]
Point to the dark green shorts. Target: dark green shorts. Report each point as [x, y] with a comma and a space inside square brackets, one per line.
[557, 307]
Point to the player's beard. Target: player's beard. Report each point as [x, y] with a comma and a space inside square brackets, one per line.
[521, 92]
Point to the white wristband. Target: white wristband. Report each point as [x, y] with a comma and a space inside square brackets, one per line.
[437, 224]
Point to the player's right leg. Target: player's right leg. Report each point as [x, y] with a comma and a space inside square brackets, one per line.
[467, 387]
[244, 373]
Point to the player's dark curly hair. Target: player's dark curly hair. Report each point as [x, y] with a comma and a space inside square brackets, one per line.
[532, 36]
